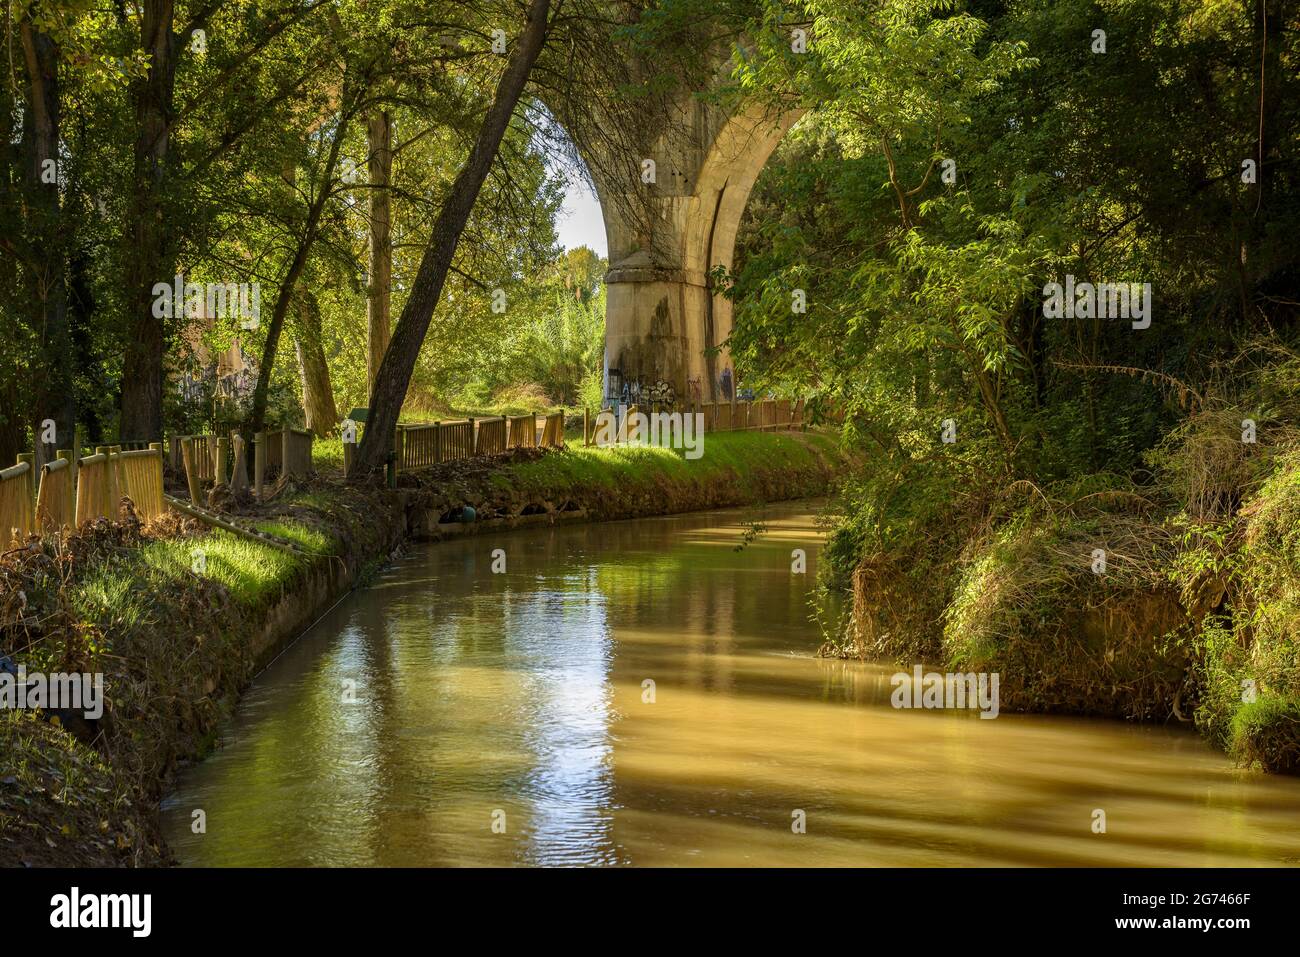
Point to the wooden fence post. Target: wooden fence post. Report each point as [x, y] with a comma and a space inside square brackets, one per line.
[191, 469]
[239, 465]
[70, 456]
[115, 489]
[223, 461]
[108, 483]
[30, 459]
[74, 467]
[396, 460]
[259, 464]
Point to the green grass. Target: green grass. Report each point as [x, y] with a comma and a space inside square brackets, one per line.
[733, 454]
[327, 454]
[120, 591]
[1267, 732]
[311, 539]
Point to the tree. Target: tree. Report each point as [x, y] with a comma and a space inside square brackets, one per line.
[379, 134]
[404, 348]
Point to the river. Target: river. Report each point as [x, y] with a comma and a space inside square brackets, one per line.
[646, 693]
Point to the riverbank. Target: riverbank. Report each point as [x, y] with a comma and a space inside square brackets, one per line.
[178, 639]
[1173, 599]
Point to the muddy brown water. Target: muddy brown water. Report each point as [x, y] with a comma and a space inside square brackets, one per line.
[450, 715]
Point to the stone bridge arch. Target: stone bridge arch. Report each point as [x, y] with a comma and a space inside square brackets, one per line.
[663, 317]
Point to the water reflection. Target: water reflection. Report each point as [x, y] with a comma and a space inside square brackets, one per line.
[445, 695]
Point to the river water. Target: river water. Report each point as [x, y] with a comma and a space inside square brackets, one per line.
[453, 715]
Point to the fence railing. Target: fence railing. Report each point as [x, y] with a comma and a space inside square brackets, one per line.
[288, 451]
[56, 501]
[553, 431]
[104, 478]
[204, 450]
[74, 489]
[95, 481]
[422, 445]
[140, 477]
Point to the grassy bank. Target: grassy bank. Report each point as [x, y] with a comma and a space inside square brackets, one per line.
[601, 484]
[177, 641]
[735, 468]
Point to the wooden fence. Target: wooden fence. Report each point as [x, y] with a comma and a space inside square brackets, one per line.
[426, 444]
[769, 415]
[553, 431]
[420, 446]
[140, 478]
[204, 450]
[521, 432]
[104, 478]
[56, 502]
[491, 437]
[288, 450]
[16, 495]
[213, 455]
[95, 487]
[76, 489]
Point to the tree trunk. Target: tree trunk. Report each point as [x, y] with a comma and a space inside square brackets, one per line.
[287, 286]
[313, 370]
[404, 350]
[379, 133]
[46, 275]
[150, 256]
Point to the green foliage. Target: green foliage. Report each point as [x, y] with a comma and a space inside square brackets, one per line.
[550, 352]
[925, 303]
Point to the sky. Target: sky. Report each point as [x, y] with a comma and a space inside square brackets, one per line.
[580, 222]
